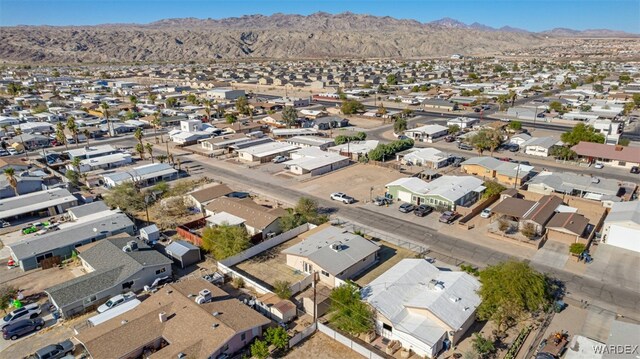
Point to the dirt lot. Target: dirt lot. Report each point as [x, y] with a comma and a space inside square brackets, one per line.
[355, 180]
[321, 346]
[390, 255]
[366, 123]
[35, 281]
[271, 266]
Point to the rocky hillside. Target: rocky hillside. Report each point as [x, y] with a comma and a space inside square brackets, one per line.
[277, 36]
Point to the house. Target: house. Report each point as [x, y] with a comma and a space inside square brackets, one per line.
[440, 105]
[355, 149]
[87, 152]
[25, 184]
[314, 161]
[173, 324]
[115, 265]
[103, 162]
[444, 192]
[322, 143]
[329, 122]
[16, 163]
[580, 185]
[32, 141]
[60, 244]
[540, 146]
[526, 113]
[293, 132]
[280, 310]
[336, 254]
[225, 141]
[425, 308]
[426, 157]
[261, 222]
[144, 175]
[615, 156]
[537, 213]
[183, 253]
[427, 133]
[463, 122]
[622, 226]
[45, 203]
[567, 227]
[511, 174]
[519, 139]
[200, 198]
[225, 93]
[265, 152]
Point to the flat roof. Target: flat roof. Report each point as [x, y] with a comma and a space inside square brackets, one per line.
[33, 202]
[142, 172]
[268, 149]
[92, 151]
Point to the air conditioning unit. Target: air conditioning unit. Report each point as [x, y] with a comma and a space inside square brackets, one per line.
[204, 296]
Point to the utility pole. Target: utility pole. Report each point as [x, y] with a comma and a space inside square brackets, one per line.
[315, 303]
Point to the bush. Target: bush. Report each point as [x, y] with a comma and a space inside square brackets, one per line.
[342, 139]
[260, 349]
[282, 289]
[529, 231]
[470, 269]
[503, 225]
[577, 248]
[383, 152]
[7, 294]
[238, 282]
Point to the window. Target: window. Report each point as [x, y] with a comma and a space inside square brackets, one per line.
[243, 336]
[127, 285]
[90, 299]
[161, 270]
[324, 273]
[387, 327]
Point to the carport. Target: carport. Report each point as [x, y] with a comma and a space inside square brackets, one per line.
[183, 253]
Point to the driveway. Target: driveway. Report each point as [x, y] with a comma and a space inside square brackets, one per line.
[51, 334]
[615, 264]
[552, 254]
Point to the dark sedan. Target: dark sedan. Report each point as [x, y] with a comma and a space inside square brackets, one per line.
[422, 210]
[22, 327]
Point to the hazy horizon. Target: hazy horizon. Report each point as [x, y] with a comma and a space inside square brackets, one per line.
[535, 16]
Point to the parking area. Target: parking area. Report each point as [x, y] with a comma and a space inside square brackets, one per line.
[430, 220]
[52, 333]
[356, 180]
[271, 266]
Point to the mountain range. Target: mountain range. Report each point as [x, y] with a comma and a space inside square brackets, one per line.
[278, 36]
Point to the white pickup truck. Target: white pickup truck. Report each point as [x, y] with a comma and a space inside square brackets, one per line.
[116, 301]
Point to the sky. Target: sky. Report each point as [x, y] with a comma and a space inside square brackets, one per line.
[533, 15]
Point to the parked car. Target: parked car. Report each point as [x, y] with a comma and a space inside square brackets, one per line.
[598, 165]
[116, 301]
[486, 213]
[29, 311]
[464, 146]
[422, 210]
[382, 201]
[449, 139]
[4, 224]
[21, 327]
[279, 159]
[514, 148]
[54, 351]
[447, 217]
[406, 207]
[635, 169]
[342, 197]
[34, 227]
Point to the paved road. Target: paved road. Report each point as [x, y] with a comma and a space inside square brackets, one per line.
[609, 294]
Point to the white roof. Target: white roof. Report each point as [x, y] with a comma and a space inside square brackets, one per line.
[428, 129]
[33, 202]
[221, 218]
[93, 151]
[311, 162]
[97, 161]
[623, 212]
[267, 149]
[582, 348]
[416, 283]
[356, 146]
[449, 187]
[426, 155]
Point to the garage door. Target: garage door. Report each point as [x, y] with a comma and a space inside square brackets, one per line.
[624, 237]
[404, 196]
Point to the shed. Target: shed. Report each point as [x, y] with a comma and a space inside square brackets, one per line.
[184, 253]
[150, 233]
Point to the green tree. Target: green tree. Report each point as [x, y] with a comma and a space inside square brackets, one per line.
[624, 78]
[242, 105]
[105, 113]
[350, 107]
[515, 125]
[628, 107]
[225, 241]
[230, 118]
[133, 100]
[511, 290]
[392, 80]
[453, 129]
[624, 142]
[73, 128]
[348, 312]
[399, 126]
[171, 102]
[140, 150]
[360, 136]
[577, 248]
[192, 99]
[260, 349]
[282, 289]
[156, 123]
[563, 153]
[598, 87]
[55, 73]
[10, 175]
[486, 139]
[14, 88]
[61, 138]
[383, 152]
[125, 196]
[138, 135]
[72, 176]
[278, 337]
[289, 115]
[581, 132]
[149, 147]
[482, 345]
[556, 106]
[636, 99]
[492, 188]
[306, 210]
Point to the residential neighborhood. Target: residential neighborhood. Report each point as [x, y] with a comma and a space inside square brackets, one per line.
[474, 205]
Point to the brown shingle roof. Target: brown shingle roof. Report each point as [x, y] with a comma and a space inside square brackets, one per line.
[189, 328]
[544, 209]
[255, 215]
[513, 207]
[571, 222]
[208, 194]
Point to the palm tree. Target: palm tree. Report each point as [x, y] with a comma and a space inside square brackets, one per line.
[170, 157]
[149, 147]
[207, 108]
[156, 123]
[140, 150]
[75, 162]
[105, 114]
[73, 128]
[10, 173]
[60, 135]
[86, 134]
[179, 163]
[161, 158]
[18, 132]
[138, 135]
